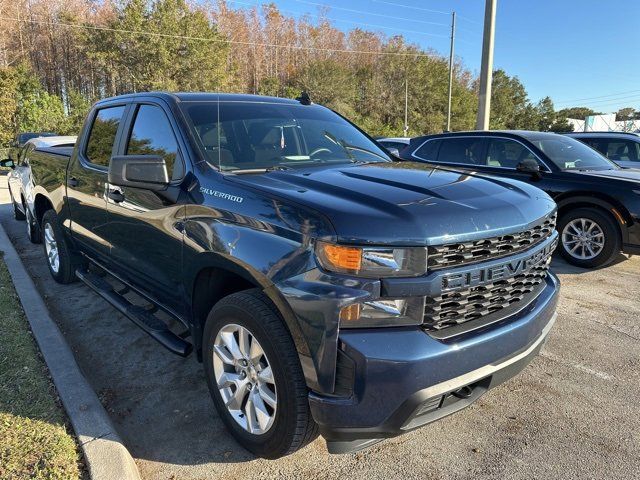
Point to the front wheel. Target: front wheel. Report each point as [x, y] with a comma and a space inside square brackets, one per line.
[254, 376]
[589, 238]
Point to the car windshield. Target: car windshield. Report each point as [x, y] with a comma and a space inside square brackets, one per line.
[254, 136]
[570, 154]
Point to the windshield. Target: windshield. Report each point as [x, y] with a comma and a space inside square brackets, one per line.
[252, 136]
[570, 154]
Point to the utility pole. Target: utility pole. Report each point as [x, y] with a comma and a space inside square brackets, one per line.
[486, 69]
[453, 40]
[406, 105]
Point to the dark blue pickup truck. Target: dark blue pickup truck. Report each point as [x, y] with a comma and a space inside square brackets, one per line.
[327, 287]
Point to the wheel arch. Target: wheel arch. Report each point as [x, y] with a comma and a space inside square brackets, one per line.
[216, 277]
[607, 205]
[41, 203]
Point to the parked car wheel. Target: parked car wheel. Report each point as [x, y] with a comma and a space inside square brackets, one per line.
[255, 377]
[17, 214]
[60, 259]
[33, 229]
[588, 238]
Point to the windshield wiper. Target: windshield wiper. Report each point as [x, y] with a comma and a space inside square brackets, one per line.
[341, 144]
[274, 168]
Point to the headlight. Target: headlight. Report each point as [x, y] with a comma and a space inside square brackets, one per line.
[383, 313]
[372, 262]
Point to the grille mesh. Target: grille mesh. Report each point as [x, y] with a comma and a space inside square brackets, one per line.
[457, 254]
[454, 308]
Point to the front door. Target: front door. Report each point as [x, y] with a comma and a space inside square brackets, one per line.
[87, 182]
[145, 227]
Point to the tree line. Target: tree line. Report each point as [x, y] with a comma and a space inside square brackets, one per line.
[59, 56]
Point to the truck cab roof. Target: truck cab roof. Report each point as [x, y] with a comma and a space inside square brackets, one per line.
[201, 97]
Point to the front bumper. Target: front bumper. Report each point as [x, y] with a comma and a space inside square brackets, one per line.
[403, 378]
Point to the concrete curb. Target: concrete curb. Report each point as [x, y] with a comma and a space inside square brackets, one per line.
[105, 455]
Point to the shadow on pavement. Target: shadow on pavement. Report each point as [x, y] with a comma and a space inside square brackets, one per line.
[159, 402]
[560, 266]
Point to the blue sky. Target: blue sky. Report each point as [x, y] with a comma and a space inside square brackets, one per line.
[579, 52]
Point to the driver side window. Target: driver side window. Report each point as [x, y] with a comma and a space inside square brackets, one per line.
[506, 153]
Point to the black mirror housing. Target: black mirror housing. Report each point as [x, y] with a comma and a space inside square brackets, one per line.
[7, 162]
[529, 165]
[140, 171]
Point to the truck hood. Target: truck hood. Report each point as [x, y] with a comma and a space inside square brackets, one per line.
[407, 203]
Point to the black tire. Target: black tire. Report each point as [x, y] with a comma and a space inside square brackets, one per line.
[67, 263]
[293, 426]
[33, 228]
[17, 214]
[610, 232]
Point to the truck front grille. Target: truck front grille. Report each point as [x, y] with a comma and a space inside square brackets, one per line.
[464, 253]
[455, 308]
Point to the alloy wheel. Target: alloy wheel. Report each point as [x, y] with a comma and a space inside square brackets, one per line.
[51, 247]
[244, 379]
[583, 238]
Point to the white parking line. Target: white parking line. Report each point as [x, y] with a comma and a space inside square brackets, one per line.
[577, 366]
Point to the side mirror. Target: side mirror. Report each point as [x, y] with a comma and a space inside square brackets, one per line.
[140, 171]
[7, 162]
[529, 165]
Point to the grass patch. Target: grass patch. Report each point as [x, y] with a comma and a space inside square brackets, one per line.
[34, 441]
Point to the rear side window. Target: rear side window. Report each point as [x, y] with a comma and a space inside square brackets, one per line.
[507, 153]
[428, 150]
[467, 151]
[621, 150]
[152, 134]
[103, 135]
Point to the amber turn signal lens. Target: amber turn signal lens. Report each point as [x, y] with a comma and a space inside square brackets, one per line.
[350, 313]
[344, 258]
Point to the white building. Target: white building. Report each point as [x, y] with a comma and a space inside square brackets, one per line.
[604, 123]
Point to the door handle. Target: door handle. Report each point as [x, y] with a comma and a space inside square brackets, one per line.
[116, 195]
[72, 182]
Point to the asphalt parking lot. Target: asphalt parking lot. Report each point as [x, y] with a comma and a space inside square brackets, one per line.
[573, 413]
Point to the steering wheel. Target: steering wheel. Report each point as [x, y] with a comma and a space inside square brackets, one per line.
[319, 150]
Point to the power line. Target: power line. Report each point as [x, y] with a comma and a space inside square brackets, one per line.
[351, 10]
[371, 25]
[601, 96]
[422, 9]
[395, 4]
[615, 101]
[218, 40]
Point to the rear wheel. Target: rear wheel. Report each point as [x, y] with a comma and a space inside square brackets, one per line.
[254, 376]
[60, 257]
[588, 238]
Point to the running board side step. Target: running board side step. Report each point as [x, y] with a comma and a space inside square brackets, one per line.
[156, 328]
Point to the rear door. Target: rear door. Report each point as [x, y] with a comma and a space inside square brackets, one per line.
[87, 181]
[144, 230]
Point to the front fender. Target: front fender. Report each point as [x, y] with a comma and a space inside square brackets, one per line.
[256, 252]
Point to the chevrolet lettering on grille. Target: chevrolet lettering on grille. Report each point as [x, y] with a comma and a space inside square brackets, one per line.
[483, 275]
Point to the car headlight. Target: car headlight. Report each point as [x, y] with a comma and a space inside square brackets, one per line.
[384, 312]
[372, 262]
